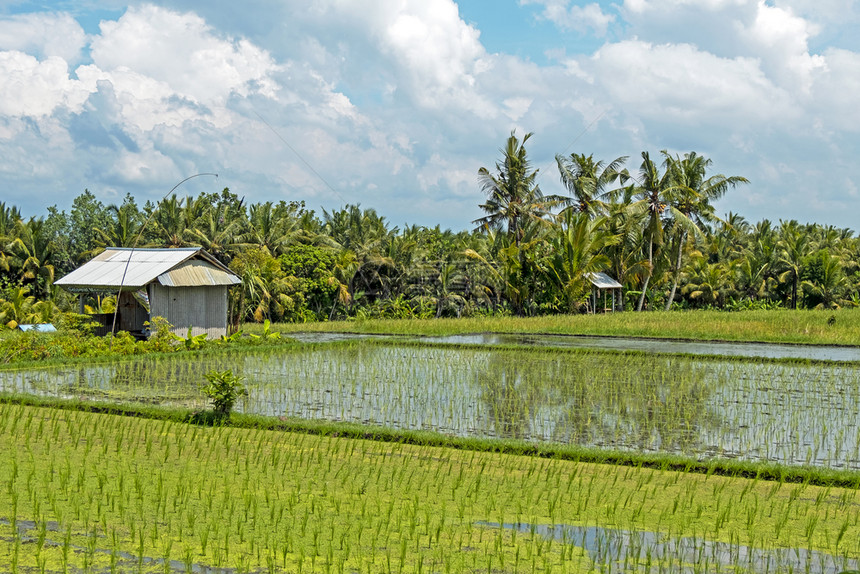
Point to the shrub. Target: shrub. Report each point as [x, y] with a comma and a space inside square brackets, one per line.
[223, 389]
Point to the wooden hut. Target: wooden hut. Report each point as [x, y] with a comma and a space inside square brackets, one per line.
[186, 286]
[602, 287]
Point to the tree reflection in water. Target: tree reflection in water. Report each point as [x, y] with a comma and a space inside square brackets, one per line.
[649, 403]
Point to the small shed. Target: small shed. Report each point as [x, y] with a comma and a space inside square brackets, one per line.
[602, 285]
[186, 286]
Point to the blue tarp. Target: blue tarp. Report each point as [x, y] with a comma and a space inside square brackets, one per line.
[41, 327]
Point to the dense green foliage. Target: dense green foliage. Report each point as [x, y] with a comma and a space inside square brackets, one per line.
[655, 231]
[75, 341]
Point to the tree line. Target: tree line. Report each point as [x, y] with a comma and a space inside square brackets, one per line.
[654, 229]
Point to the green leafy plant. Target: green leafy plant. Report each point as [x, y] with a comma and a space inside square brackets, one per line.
[193, 342]
[223, 389]
[161, 338]
[268, 334]
[235, 337]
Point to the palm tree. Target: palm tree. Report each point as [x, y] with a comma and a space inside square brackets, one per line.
[827, 289]
[513, 196]
[9, 218]
[588, 181]
[691, 199]
[361, 236]
[216, 232]
[793, 248]
[625, 219]
[710, 283]
[653, 192]
[169, 222]
[575, 250]
[18, 307]
[30, 254]
[125, 228]
[273, 226]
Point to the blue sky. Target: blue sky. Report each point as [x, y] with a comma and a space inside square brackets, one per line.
[396, 104]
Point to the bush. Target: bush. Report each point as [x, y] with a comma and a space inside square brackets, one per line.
[223, 389]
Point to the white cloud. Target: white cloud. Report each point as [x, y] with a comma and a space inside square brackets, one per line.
[835, 91]
[44, 35]
[680, 83]
[183, 52]
[396, 103]
[580, 18]
[639, 6]
[781, 40]
[36, 88]
[429, 54]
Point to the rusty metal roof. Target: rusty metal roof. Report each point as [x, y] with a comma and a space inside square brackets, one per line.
[196, 273]
[134, 268]
[603, 281]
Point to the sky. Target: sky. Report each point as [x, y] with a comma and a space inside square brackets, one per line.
[396, 104]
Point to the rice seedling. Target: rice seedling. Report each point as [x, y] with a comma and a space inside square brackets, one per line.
[333, 504]
[778, 411]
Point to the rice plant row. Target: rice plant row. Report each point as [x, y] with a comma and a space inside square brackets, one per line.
[753, 410]
[86, 492]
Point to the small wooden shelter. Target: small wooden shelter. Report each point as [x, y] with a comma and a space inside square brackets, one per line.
[602, 285]
[186, 286]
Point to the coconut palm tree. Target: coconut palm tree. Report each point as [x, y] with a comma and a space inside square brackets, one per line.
[124, 230]
[273, 226]
[690, 199]
[575, 250]
[653, 191]
[216, 232]
[588, 181]
[30, 255]
[169, 221]
[513, 196]
[794, 246]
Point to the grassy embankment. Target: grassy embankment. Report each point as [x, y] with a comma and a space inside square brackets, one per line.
[108, 492]
[839, 327]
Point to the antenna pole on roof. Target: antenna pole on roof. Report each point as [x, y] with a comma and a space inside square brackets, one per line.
[134, 246]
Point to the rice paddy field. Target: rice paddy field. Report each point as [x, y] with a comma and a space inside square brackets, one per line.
[831, 327]
[83, 492]
[786, 412]
[90, 492]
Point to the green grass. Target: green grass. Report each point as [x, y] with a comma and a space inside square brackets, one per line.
[106, 491]
[839, 327]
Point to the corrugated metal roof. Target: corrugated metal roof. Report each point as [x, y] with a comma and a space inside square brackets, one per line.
[196, 273]
[139, 266]
[603, 281]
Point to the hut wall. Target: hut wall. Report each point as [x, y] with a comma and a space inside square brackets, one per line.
[132, 315]
[204, 309]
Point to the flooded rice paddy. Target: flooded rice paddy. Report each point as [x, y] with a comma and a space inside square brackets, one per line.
[615, 550]
[710, 348]
[751, 409]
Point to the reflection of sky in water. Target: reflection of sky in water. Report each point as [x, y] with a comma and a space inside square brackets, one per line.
[762, 350]
[779, 412]
[614, 550]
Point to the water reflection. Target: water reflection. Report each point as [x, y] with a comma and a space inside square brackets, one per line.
[646, 404]
[614, 550]
[796, 414]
